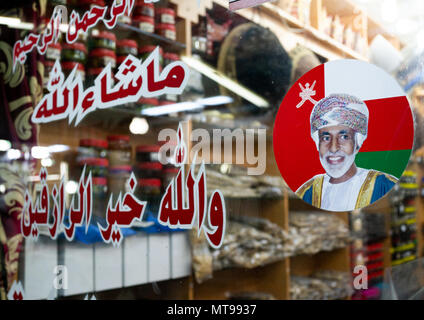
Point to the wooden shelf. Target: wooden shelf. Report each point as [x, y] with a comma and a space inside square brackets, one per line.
[292, 31]
[155, 37]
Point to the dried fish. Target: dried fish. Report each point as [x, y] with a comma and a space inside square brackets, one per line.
[323, 285]
[251, 242]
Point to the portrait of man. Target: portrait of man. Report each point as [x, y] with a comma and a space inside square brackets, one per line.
[339, 127]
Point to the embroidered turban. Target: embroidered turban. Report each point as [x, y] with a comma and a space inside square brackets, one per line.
[340, 109]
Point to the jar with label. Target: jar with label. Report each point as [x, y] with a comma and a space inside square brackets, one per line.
[53, 51]
[126, 17]
[86, 4]
[125, 47]
[100, 58]
[68, 66]
[167, 175]
[100, 197]
[144, 9]
[145, 51]
[148, 188]
[169, 57]
[92, 148]
[118, 179]
[97, 166]
[92, 74]
[75, 52]
[119, 152]
[48, 67]
[103, 40]
[147, 153]
[146, 24]
[167, 30]
[149, 170]
[165, 15]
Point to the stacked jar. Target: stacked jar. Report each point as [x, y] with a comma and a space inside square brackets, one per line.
[149, 189]
[74, 55]
[92, 148]
[143, 17]
[53, 52]
[97, 166]
[100, 196]
[124, 48]
[102, 52]
[149, 166]
[165, 23]
[119, 155]
[146, 50]
[168, 98]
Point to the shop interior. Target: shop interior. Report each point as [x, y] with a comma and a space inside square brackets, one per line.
[241, 65]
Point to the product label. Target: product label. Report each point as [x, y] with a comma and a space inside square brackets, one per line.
[167, 18]
[146, 27]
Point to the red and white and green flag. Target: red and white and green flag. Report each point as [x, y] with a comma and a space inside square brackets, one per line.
[390, 126]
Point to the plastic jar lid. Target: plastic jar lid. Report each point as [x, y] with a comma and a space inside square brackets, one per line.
[100, 181]
[165, 103]
[102, 53]
[93, 143]
[171, 170]
[144, 19]
[101, 162]
[149, 101]
[165, 26]
[118, 137]
[171, 56]
[96, 2]
[127, 43]
[165, 11]
[147, 148]
[48, 63]
[125, 168]
[150, 165]
[120, 59]
[69, 65]
[75, 46]
[145, 49]
[55, 45]
[105, 35]
[94, 71]
[141, 3]
[149, 182]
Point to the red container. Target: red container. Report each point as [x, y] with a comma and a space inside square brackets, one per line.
[166, 30]
[144, 23]
[68, 66]
[165, 15]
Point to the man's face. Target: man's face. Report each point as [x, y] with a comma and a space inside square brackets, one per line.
[336, 149]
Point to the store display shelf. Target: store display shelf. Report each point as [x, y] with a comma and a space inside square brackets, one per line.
[325, 39]
[174, 44]
[305, 34]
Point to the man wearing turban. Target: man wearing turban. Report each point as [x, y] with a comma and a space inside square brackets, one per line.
[339, 127]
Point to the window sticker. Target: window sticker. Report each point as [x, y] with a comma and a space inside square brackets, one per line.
[343, 135]
[183, 204]
[67, 98]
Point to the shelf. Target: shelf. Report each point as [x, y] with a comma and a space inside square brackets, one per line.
[174, 44]
[305, 34]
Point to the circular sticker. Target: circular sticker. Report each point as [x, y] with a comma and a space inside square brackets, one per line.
[343, 135]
